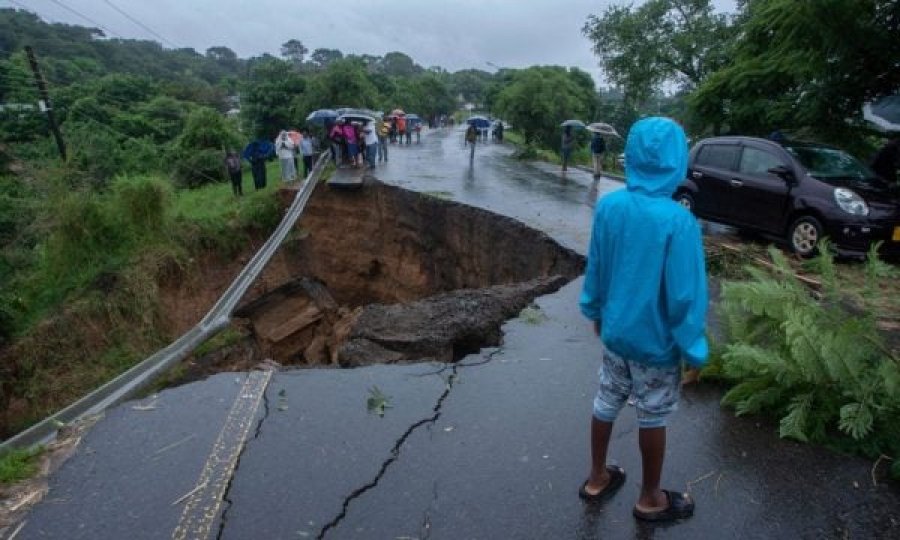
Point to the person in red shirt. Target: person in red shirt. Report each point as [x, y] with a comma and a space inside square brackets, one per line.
[401, 127]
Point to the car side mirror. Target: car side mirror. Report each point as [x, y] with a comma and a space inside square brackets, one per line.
[782, 172]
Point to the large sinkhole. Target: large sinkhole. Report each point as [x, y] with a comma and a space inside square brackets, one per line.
[385, 275]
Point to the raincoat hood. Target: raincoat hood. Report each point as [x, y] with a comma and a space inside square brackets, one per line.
[656, 157]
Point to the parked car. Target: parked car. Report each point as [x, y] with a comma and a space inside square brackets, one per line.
[795, 191]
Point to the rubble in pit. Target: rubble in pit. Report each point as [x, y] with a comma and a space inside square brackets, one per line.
[299, 323]
[386, 275]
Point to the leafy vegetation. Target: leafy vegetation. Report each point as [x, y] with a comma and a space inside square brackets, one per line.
[16, 465]
[538, 98]
[644, 47]
[818, 361]
[797, 67]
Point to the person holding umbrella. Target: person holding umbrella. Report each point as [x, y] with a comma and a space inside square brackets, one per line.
[566, 145]
[257, 152]
[471, 138]
[598, 147]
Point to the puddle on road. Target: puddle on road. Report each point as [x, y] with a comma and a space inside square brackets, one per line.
[385, 275]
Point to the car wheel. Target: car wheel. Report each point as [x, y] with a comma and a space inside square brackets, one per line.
[685, 200]
[803, 236]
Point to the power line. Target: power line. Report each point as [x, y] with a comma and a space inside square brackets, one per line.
[139, 23]
[83, 16]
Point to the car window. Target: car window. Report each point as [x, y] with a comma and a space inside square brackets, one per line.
[830, 164]
[758, 162]
[719, 156]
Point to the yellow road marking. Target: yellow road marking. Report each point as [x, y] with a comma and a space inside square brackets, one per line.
[203, 503]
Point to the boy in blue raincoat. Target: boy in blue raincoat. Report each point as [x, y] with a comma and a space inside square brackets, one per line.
[645, 290]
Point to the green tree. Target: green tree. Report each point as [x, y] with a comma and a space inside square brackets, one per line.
[661, 41]
[437, 98]
[471, 84]
[201, 147]
[322, 58]
[294, 51]
[397, 64]
[538, 98]
[807, 67]
[270, 97]
[345, 83]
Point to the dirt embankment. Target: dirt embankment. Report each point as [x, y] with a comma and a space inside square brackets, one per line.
[390, 275]
[379, 245]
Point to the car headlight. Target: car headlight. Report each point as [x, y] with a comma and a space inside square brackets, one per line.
[849, 201]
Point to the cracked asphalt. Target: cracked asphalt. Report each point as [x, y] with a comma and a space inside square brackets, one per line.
[492, 447]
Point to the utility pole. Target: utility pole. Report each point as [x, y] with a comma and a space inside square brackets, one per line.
[45, 104]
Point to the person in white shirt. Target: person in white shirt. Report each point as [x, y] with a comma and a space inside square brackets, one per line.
[371, 143]
[284, 147]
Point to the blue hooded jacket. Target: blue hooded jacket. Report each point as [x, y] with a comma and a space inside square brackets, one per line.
[645, 281]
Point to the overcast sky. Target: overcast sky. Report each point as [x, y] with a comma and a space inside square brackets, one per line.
[455, 34]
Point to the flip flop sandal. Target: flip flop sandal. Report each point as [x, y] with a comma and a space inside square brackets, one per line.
[616, 480]
[680, 507]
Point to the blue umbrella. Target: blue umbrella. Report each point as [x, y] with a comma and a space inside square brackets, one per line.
[479, 121]
[321, 116]
[413, 119]
[573, 123]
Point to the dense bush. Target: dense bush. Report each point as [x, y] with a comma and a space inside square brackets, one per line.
[817, 361]
[200, 149]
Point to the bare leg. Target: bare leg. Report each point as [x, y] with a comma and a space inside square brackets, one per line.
[652, 442]
[600, 434]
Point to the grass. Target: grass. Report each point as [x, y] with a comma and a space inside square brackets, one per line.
[223, 339]
[86, 307]
[17, 465]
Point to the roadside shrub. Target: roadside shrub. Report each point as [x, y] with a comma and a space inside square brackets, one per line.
[200, 149]
[142, 203]
[816, 361]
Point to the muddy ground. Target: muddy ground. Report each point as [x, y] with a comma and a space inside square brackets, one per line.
[385, 275]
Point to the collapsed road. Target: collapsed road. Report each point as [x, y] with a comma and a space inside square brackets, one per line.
[494, 444]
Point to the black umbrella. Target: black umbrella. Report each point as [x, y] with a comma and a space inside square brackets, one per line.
[321, 116]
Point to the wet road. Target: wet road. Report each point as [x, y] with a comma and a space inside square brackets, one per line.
[494, 447]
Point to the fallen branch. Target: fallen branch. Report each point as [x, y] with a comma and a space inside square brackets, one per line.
[807, 280]
[875, 467]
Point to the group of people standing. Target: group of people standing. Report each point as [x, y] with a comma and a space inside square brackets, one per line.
[357, 143]
[289, 147]
[598, 148]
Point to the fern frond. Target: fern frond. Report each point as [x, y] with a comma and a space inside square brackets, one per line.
[856, 420]
[794, 424]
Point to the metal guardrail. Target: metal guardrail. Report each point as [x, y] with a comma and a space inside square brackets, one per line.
[142, 374]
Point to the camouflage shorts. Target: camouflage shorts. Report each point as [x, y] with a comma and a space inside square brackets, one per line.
[653, 387]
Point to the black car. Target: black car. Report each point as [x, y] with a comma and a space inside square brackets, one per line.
[798, 192]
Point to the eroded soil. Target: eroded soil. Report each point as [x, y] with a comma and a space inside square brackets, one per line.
[385, 275]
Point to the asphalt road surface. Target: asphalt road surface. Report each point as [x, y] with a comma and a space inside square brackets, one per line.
[493, 447]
